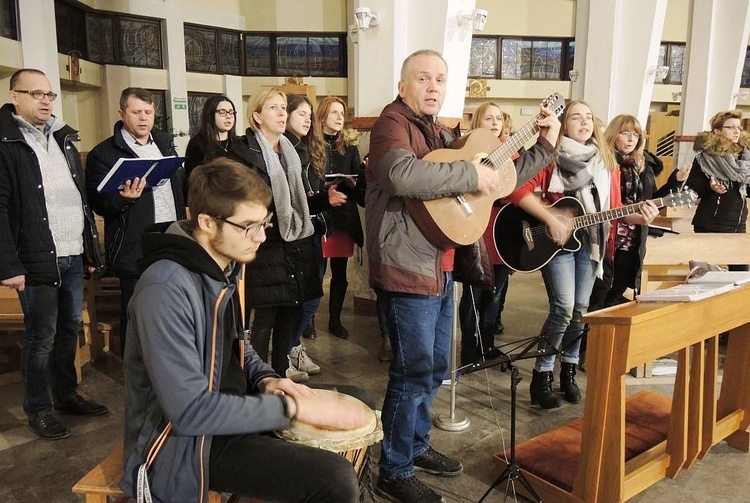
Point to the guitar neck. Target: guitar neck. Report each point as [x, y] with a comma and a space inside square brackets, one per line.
[506, 150]
[604, 216]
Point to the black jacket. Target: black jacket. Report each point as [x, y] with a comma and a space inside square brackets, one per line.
[282, 273]
[26, 244]
[126, 220]
[346, 217]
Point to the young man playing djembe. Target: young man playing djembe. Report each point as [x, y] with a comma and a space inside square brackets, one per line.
[197, 397]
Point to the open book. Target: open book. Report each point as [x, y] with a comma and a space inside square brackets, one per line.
[686, 293]
[723, 277]
[156, 171]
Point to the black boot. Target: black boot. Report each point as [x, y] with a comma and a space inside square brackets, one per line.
[335, 304]
[309, 331]
[568, 383]
[541, 391]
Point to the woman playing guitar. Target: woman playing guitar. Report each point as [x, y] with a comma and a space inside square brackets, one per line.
[588, 173]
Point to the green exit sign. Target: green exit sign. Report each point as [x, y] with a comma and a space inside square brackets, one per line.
[180, 106]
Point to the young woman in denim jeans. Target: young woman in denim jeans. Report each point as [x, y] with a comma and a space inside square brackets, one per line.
[589, 173]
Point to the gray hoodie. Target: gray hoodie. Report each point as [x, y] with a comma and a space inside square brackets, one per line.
[180, 315]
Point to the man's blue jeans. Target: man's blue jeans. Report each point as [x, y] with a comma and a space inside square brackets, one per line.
[569, 279]
[419, 327]
[52, 317]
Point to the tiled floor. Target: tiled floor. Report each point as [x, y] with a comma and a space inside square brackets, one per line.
[33, 470]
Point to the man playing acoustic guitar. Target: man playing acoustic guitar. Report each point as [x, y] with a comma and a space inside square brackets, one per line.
[412, 276]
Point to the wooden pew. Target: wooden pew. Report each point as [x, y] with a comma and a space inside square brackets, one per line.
[625, 336]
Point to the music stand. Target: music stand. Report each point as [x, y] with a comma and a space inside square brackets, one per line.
[506, 361]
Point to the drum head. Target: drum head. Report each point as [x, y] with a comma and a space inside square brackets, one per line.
[333, 439]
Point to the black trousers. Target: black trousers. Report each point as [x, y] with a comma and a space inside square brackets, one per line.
[277, 322]
[265, 467]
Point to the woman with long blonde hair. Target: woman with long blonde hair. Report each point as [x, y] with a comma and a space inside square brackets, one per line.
[285, 270]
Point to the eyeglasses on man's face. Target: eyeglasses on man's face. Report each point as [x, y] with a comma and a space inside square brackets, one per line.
[630, 135]
[223, 113]
[38, 94]
[252, 229]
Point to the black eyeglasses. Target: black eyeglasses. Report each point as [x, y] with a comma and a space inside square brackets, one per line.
[251, 229]
[224, 113]
[38, 94]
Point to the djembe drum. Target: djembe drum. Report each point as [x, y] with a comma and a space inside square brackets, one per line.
[353, 444]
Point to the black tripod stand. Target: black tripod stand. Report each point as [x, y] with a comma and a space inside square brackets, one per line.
[506, 361]
[513, 471]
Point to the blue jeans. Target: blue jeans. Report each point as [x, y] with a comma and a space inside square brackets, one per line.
[569, 279]
[52, 317]
[419, 327]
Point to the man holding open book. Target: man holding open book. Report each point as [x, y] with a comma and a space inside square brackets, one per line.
[137, 205]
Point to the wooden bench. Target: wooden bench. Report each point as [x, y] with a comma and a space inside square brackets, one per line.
[102, 483]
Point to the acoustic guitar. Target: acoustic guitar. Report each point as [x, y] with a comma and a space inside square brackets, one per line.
[524, 244]
[462, 219]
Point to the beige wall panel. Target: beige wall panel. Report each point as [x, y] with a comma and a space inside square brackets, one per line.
[676, 22]
[538, 18]
[294, 15]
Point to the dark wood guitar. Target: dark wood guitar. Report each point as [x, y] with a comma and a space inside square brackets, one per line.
[524, 244]
[462, 219]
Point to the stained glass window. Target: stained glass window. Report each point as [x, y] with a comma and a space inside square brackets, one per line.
[258, 55]
[200, 50]
[140, 42]
[521, 59]
[671, 55]
[229, 55]
[71, 29]
[100, 38]
[483, 57]
[8, 21]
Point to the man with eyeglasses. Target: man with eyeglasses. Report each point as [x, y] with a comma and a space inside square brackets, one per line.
[130, 211]
[198, 398]
[47, 241]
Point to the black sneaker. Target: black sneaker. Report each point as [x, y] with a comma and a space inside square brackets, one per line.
[46, 426]
[408, 490]
[79, 406]
[431, 461]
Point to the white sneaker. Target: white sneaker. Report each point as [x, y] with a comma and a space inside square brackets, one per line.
[296, 375]
[301, 361]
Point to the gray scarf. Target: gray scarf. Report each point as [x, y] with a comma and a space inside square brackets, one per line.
[579, 167]
[292, 212]
[727, 168]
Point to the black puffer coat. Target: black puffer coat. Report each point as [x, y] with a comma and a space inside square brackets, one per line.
[26, 244]
[282, 273]
[125, 221]
[346, 217]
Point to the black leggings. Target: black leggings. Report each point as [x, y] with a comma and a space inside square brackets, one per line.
[338, 269]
